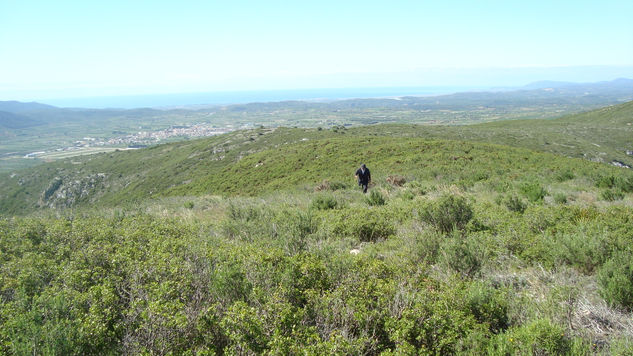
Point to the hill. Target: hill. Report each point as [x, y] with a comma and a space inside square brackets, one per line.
[17, 107]
[253, 162]
[601, 135]
[259, 242]
[9, 120]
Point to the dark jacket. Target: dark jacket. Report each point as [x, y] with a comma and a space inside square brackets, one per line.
[363, 178]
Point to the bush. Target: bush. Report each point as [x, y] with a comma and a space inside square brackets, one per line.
[540, 337]
[375, 198]
[560, 198]
[514, 203]
[564, 176]
[462, 255]
[488, 305]
[605, 181]
[189, 204]
[533, 191]
[625, 184]
[324, 202]
[611, 195]
[364, 224]
[449, 212]
[616, 280]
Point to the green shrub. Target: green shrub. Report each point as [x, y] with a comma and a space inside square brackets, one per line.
[585, 251]
[564, 175]
[324, 202]
[488, 305]
[375, 198]
[616, 280]
[449, 212]
[533, 191]
[189, 204]
[462, 255]
[606, 181]
[540, 337]
[611, 195]
[625, 184]
[560, 198]
[514, 203]
[365, 224]
[431, 328]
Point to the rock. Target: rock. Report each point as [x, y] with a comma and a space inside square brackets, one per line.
[620, 164]
[354, 251]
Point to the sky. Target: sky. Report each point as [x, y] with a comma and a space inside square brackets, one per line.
[65, 48]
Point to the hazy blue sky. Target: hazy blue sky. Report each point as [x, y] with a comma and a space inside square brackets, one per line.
[60, 48]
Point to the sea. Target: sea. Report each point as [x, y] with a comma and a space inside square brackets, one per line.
[220, 98]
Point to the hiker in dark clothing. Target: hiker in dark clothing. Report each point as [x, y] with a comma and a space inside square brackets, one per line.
[363, 176]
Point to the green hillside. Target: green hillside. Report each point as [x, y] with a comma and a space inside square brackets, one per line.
[194, 169]
[259, 242]
[602, 135]
[262, 160]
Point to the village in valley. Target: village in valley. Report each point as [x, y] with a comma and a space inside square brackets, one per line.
[140, 139]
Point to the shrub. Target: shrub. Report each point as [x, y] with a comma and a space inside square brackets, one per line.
[564, 176]
[540, 337]
[625, 184]
[375, 198]
[533, 191]
[324, 202]
[560, 198]
[616, 280]
[488, 305]
[364, 224]
[431, 328]
[514, 203]
[449, 212]
[605, 181]
[462, 255]
[611, 195]
[189, 204]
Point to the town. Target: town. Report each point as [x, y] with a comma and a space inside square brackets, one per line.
[137, 140]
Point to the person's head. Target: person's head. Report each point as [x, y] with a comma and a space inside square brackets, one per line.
[363, 166]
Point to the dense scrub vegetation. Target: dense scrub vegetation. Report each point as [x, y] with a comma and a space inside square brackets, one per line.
[435, 269]
[259, 242]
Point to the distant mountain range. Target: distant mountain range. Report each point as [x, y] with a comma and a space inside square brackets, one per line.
[616, 84]
[11, 120]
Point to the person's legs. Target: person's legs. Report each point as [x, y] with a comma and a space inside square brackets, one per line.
[364, 188]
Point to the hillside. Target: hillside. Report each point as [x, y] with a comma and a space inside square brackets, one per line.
[264, 160]
[9, 120]
[260, 160]
[259, 242]
[602, 135]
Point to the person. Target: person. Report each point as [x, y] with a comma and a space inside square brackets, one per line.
[363, 176]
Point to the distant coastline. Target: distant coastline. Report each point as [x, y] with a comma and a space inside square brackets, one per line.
[242, 97]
